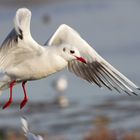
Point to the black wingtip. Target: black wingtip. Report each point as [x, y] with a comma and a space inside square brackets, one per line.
[138, 88]
[127, 93]
[131, 93]
[21, 34]
[134, 93]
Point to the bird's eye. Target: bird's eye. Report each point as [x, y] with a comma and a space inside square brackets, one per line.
[72, 51]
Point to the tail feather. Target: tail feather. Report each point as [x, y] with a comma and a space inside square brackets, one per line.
[4, 81]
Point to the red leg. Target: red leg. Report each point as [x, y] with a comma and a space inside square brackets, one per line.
[10, 99]
[24, 101]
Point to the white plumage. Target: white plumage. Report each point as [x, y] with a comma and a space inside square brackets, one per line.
[22, 59]
[27, 133]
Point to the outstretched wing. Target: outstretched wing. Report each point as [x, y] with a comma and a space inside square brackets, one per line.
[19, 43]
[96, 70]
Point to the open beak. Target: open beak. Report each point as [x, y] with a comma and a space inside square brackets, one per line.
[81, 59]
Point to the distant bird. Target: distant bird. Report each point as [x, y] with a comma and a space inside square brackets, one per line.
[22, 59]
[61, 85]
[27, 133]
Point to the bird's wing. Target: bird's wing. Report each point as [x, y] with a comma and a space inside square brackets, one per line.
[96, 70]
[19, 44]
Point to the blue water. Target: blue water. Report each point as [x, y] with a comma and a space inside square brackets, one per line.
[113, 28]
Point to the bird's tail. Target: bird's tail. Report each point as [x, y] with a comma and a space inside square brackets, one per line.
[4, 81]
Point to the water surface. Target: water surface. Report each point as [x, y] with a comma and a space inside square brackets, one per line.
[112, 27]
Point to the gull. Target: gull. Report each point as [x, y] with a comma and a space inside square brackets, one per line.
[27, 133]
[22, 59]
[61, 85]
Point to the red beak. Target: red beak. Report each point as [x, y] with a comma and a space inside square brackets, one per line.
[81, 59]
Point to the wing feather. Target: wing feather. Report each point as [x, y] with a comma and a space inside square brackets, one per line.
[18, 45]
[97, 70]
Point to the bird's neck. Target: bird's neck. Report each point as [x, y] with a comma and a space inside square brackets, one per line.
[53, 61]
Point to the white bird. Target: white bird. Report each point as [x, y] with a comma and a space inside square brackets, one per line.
[61, 84]
[22, 59]
[27, 133]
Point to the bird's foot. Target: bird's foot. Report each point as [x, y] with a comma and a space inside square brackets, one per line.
[7, 104]
[23, 103]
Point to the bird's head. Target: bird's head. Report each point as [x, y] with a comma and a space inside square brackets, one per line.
[70, 53]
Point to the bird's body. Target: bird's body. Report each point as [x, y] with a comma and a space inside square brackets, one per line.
[37, 67]
[22, 59]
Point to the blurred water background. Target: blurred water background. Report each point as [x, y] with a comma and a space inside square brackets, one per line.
[113, 29]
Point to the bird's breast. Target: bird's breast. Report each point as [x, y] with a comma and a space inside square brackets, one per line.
[37, 69]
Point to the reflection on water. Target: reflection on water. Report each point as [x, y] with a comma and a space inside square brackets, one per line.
[113, 28]
[74, 121]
